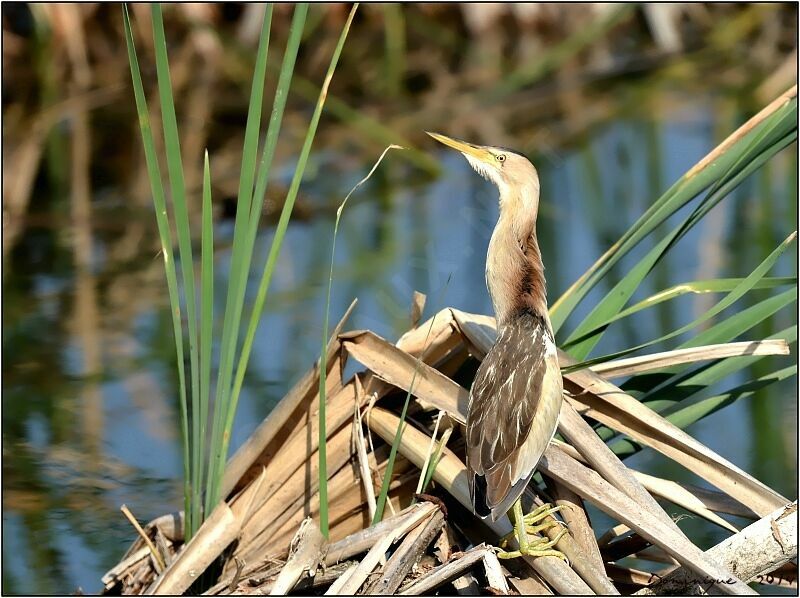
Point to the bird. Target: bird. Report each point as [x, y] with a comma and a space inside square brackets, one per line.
[516, 396]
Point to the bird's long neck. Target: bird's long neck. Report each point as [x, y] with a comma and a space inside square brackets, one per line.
[514, 268]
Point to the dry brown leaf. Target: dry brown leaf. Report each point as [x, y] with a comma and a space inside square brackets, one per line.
[657, 361]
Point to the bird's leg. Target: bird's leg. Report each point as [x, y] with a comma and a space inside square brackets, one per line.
[526, 524]
[531, 519]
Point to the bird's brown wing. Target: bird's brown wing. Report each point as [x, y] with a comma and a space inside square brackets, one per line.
[513, 411]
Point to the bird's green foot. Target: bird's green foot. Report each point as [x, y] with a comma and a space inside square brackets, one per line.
[530, 524]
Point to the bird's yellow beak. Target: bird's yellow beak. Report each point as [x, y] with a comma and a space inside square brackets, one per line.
[468, 149]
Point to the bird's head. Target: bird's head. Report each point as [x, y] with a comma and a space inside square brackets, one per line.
[508, 170]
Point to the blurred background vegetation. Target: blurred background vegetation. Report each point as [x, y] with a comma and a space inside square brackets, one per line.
[611, 102]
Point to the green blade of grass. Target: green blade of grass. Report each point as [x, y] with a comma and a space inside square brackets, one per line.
[178, 193]
[682, 385]
[276, 117]
[689, 414]
[283, 222]
[162, 221]
[684, 417]
[740, 289]
[778, 117]
[240, 266]
[279, 104]
[698, 287]
[580, 343]
[673, 389]
[395, 40]
[323, 433]
[206, 307]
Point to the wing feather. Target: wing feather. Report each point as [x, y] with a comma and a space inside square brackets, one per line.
[508, 423]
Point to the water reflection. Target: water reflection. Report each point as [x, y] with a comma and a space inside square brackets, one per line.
[90, 412]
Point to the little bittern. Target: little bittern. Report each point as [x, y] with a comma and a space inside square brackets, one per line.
[516, 396]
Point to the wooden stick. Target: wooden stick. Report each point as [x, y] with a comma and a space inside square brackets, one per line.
[306, 555]
[160, 565]
[406, 556]
[574, 514]
[447, 572]
[378, 551]
[755, 551]
[607, 464]
[591, 486]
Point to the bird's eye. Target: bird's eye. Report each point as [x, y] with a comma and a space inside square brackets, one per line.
[500, 157]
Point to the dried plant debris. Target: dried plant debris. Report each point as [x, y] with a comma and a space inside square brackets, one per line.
[263, 538]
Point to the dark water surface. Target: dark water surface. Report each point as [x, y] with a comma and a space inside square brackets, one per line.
[90, 410]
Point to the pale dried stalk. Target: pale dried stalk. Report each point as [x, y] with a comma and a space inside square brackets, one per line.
[364, 540]
[447, 572]
[305, 555]
[258, 533]
[124, 567]
[629, 576]
[159, 561]
[607, 464]
[406, 555]
[692, 498]
[378, 551]
[336, 586]
[295, 453]
[746, 128]
[299, 487]
[681, 496]
[594, 576]
[398, 368]
[346, 508]
[755, 551]
[530, 585]
[574, 514]
[414, 341]
[429, 454]
[494, 573]
[612, 534]
[607, 404]
[273, 537]
[715, 500]
[657, 361]
[594, 488]
[363, 462]
[215, 535]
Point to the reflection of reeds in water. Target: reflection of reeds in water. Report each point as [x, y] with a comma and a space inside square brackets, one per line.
[261, 536]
